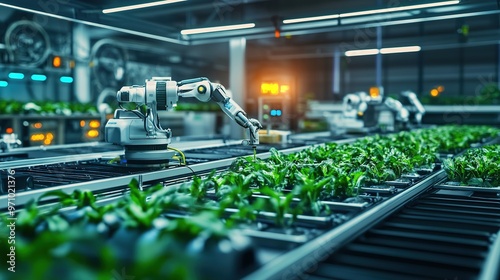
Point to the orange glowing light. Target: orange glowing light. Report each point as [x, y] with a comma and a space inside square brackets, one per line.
[284, 88]
[277, 33]
[93, 133]
[434, 92]
[9, 130]
[56, 61]
[269, 88]
[374, 92]
[46, 138]
[440, 88]
[37, 137]
[82, 123]
[37, 125]
[94, 124]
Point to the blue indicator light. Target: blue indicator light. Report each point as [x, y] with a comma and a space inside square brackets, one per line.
[3, 83]
[278, 113]
[66, 79]
[16, 76]
[38, 77]
[273, 113]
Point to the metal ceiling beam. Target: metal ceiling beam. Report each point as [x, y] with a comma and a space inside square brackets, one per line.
[72, 18]
[332, 26]
[255, 33]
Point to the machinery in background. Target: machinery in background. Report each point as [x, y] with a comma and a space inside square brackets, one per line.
[366, 112]
[139, 130]
[274, 105]
[108, 64]
[359, 114]
[45, 130]
[27, 43]
[274, 110]
[410, 101]
[9, 142]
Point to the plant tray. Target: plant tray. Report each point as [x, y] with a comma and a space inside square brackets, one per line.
[424, 171]
[345, 206]
[380, 189]
[412, 176]
[277, 240]
[301, 220]
[333, 205]
[400, 183]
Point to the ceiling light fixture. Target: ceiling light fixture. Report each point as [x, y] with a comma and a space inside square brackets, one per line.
[400, 49]
[95, 24]
[362, 52]
[383, 51]
[370, 12]
[217, 28]
[296, 20]
[398, 9]
[139, 6]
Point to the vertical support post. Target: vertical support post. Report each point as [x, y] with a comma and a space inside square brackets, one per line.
[336, 73]
[81, 50]
[420, 62]
[498, 66]
[378, 61]
[237, 81]
[461, 75]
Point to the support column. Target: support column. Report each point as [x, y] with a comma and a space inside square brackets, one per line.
[420, 59]
[237, 82]
[461, 76]
[336, 73]
[378, 61]
[498, 66]
[81, 50]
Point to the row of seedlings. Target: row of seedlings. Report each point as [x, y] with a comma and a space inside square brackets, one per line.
[195, 228]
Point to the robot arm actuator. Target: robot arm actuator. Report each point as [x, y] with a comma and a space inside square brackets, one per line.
[204, 90]
[415, 105]
[139, 131]
[402, 114]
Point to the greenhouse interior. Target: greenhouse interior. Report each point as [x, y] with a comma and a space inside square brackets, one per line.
[250, 139]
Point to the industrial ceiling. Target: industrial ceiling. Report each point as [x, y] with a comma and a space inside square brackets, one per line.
[301, 40]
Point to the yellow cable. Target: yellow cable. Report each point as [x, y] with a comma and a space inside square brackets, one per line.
[177, 158]
[181, 153]
[113, 160]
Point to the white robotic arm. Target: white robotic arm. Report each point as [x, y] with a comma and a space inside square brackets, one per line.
[415, 106]
[204, 90]
[402, 114]
[139, 131]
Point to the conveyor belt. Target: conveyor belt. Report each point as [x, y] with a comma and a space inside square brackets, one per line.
[44, 176]
[406, 229]
[58, 151]
[50, 175]
[422, 233]
[438, 236]
[96, 174]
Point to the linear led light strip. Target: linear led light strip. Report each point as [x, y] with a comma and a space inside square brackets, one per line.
[90, 23]
[383, 51]
[334, 16]
[217, 28]
[370, 12]
[139, 6]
